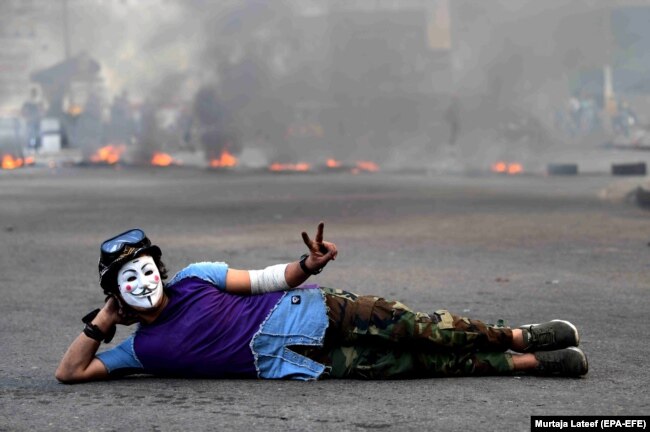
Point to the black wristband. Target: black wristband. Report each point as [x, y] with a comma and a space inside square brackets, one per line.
[304, 268]
[89, 316]
[94, 332]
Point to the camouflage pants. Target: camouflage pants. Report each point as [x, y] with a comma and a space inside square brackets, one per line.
[372, 338]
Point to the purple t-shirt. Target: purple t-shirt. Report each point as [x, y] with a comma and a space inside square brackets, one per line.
[203, 332]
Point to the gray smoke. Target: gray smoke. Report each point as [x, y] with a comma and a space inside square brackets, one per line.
[308, 81]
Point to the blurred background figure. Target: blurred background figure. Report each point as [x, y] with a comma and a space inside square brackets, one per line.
[624, 119]
[32, 112]
[122, 125]
[89, 128]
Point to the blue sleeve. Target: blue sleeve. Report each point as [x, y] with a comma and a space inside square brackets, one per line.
[121, 357]
[213, 272]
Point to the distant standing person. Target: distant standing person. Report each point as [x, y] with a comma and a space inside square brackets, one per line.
[122, 124]
[452, 116]
[32, 112]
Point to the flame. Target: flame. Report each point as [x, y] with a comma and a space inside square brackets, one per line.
[507, 168]
[367, 166]
[225, 160]
[333, 163]
[515, 168]
[500, 167]
[9, 162]
[161, 159]
[109, 154]
[29, 160]
[300, 166]
[75, 110]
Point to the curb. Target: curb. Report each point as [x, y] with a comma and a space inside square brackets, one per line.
[617, 169]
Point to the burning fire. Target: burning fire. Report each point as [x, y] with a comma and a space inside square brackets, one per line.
[225, 160]
[515, 168]
[300, 166]
[161, 159]
[75, 110]
[360, 166]
[367, 166]
[507, 168]
[333, 163]
[9, 162]
[109, 154]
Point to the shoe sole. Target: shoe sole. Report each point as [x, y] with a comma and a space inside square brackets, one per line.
[575, 330]
[585, 363]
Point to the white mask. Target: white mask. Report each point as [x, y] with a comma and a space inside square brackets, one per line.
[139, 282]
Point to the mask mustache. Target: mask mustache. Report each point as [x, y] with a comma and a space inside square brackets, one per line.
[145, 291]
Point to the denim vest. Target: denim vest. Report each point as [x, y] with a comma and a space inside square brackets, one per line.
[299, 318]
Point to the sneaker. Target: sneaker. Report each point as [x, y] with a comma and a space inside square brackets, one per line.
[570, 362]
[549, 336]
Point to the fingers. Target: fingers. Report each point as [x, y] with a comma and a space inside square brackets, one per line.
[306, 239]
[319, 232]
[111, 306]
[328, 252]
[331, 250]
[318, 245]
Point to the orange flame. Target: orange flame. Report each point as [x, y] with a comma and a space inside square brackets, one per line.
[29, 160]
[300, 166]
[333, 163]
[9, 162]
[161, 159]
[109, 154]
[367, 166]
[75, 110]
[507, 168]
[515, 168]
[225, 160]
[500, 167]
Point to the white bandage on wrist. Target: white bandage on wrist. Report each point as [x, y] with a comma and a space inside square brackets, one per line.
[268, 280]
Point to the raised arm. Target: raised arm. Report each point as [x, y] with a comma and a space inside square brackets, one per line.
[284, 276]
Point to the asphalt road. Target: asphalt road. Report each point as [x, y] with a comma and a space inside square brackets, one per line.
[525, 249]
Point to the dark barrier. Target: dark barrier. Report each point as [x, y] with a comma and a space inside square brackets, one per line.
[631, 169]
[562, 169]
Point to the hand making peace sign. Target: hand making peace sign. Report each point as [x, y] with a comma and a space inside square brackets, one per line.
[320, 251]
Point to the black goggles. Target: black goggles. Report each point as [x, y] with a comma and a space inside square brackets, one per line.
[115, 246]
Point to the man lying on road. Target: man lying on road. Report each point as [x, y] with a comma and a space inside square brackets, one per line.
[213, 321]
